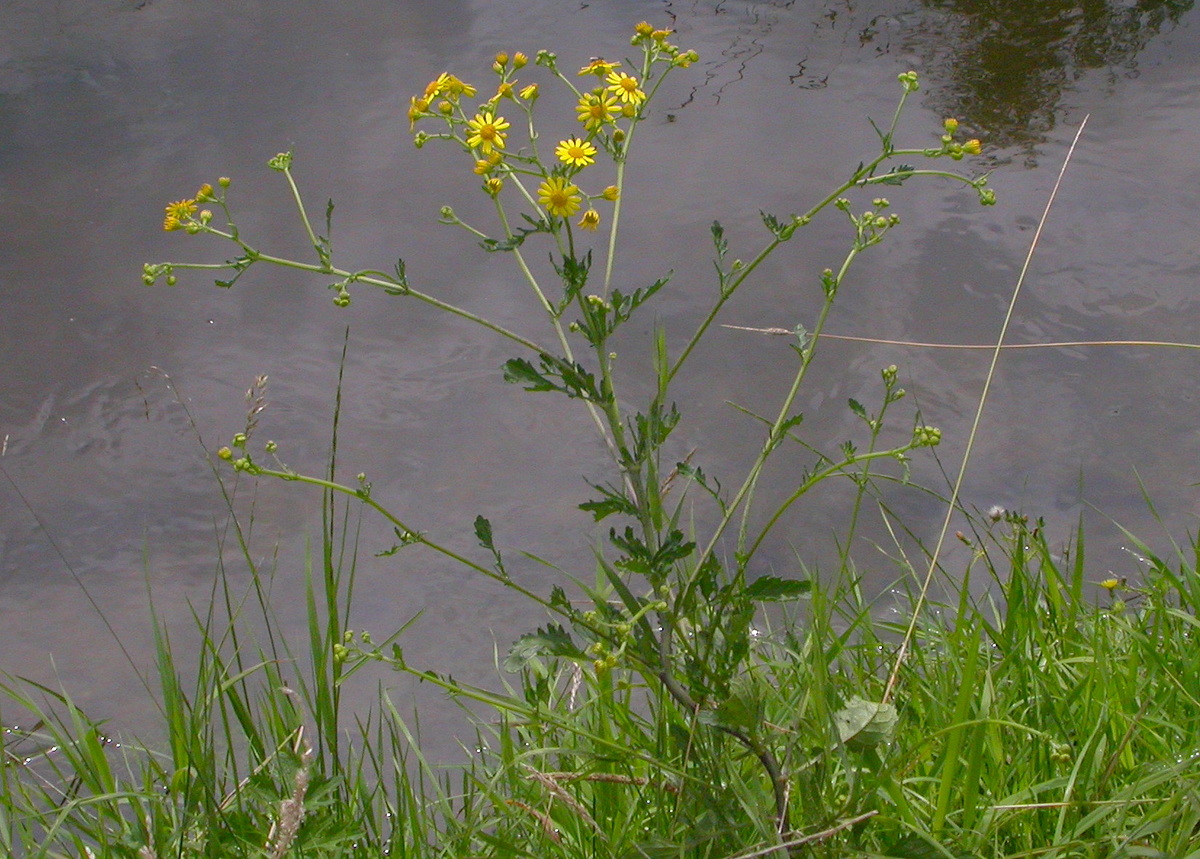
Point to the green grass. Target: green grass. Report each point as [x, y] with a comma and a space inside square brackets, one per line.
[1052, 718]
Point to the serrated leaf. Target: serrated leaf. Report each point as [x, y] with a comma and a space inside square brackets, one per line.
[775, 589]
[483, 533]
[528, 650]
[896, 175]
[612, 502]
[857, 408]
[863, 724]
[518, 371]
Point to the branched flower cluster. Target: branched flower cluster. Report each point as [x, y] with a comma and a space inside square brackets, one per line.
[607, 113]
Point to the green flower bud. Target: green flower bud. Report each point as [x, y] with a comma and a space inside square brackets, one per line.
[225, 454]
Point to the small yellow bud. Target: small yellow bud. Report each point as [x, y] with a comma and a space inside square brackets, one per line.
[530, 92]
[590, 220]
[502, 59]
[225, 454]
[445, 108]
[972, 147]
[611, 193]
[643, 29]
[493, 186]
[951, 125]
[224, 181]
[519, 60]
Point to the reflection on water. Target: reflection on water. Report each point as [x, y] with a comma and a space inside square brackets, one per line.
[1003, 66]
[108, 108]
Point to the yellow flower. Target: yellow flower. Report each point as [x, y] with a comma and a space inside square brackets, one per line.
[205, 193]
[625, 88]
[487, 165]
[972, 147]
[486, 132]
[493, 186]
[575, 152]
[456, 88]
[519, 60]
[170, 222]
[598, 67]
[416, 109]
[660, 35]
[611, 193]
[505, 90]
[437, 86]
[449, 86]
[560, 198]
[595, 109]
[530, 92]
[590, 220]
[643, 29]
[1110, 584]
[181, 210]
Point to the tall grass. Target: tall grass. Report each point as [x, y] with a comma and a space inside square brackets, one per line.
[1055, 716]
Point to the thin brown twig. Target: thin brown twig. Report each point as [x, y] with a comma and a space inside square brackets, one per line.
[807, 839]
[917, 344]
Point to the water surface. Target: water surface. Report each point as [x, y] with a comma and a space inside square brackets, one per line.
[110, 109]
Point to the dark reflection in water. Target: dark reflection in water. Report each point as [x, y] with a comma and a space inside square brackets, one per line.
[1002, 66]
[109, 108]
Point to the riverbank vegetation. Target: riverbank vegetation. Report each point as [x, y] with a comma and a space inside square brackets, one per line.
[676, 702]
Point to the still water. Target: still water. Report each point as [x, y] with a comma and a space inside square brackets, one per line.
[111, 108]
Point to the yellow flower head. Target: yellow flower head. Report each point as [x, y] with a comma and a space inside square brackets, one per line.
[643, 29]
[493, 186]
[181, 210]
[417, 108]
[595, 110]
[449, 86]
[530, 92]
[486, 132]
[437, 86]
[972, 147]
[575, 152]
[505, 90]
[590, 220]
[660, 35]
[598, 67]
[519, 60]
[611, 193]
[1110, 584]
[486, 165]
[205, 193]
[559, 196]
[625, 87]
[170, 222]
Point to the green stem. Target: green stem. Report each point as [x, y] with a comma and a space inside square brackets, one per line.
[312, 237]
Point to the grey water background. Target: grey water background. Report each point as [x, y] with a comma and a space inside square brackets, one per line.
[111, 108]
